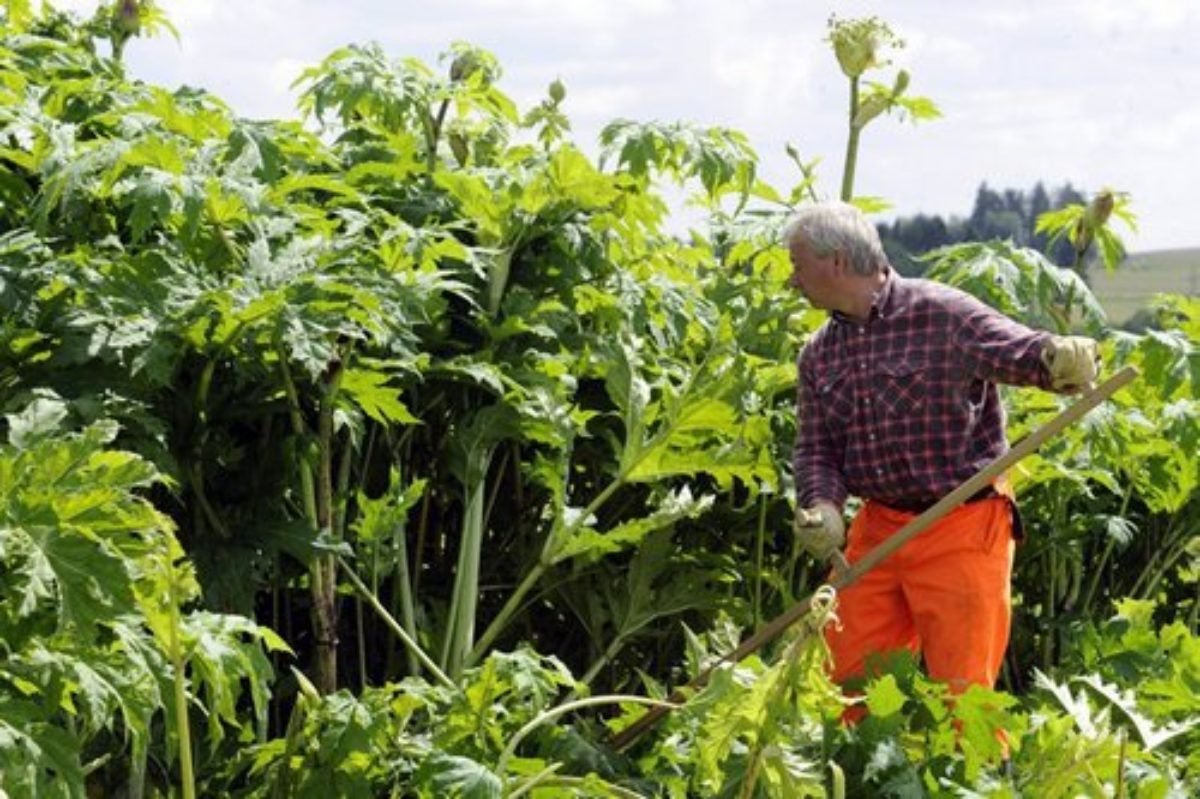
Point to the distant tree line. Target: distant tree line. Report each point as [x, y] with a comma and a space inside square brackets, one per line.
[1008, 214]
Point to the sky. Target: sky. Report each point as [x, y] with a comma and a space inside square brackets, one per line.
[1098, 93]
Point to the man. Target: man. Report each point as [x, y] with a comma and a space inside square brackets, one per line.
[898, 405]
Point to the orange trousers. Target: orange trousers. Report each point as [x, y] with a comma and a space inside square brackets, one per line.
[945, 594]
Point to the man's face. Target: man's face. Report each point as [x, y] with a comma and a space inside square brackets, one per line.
[815, 277]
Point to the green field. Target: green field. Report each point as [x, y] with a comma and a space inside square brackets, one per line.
[1143, 275]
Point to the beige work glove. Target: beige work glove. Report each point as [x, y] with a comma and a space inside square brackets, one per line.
[1072, 361]
[819, 530]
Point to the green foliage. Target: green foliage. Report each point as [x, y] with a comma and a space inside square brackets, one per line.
[1020, 282]
[435, 340]
[92, 596]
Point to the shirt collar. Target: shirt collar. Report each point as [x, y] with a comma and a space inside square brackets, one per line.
[884, 304]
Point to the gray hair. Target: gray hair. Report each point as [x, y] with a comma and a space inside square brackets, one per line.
[838, 227]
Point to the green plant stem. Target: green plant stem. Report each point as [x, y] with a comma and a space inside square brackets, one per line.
[341, 497]
[851, 145]
[203, 388]
[1094, 583]
[563, 709]
[276, 617]
[1121, 766]
[1048, 617]
[1175, 550]
[196, 473]
[750, 778]
[433, 132]
[318, 573]
[464, 602]
[496, 484]
[178, 665]
[610, 652]
[758, 560]
[324, 589]
[292, 743]
[422, 534]
[576, 785]
[403, 588]
[1109, 545]
[1075, 565]
[534, 781]
[408, 616]
[360, 634]
[1194, 615]
[308, 489]
[395, 627]
[837, 779]
[1154, 565]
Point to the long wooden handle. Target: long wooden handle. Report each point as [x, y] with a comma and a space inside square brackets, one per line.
[843, 577]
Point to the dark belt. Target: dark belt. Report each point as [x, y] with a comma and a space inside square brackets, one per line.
[987, 492]
[919, 506]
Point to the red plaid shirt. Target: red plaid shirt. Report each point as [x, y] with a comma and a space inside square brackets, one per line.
[904, 407]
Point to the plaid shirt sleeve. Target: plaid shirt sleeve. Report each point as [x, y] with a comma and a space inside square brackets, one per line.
[816, 459]
[995, 348]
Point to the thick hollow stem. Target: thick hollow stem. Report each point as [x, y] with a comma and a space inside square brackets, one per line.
[182, 723]
[851, 145]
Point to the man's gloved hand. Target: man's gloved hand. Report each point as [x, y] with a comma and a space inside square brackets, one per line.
[1072, 361]
[819, 530]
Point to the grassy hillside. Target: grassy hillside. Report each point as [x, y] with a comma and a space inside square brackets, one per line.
[1142, 275]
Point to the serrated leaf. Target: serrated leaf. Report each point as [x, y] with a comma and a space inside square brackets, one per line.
[459, 777]
[38, 420]
[884, 697]
[1151, 734]
[370, 392]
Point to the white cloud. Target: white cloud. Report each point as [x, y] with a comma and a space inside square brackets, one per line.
[1177, 133]
[601, 102]
[1124, 17]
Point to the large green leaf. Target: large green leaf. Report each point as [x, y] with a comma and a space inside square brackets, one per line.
[37, 758]
[583, 541]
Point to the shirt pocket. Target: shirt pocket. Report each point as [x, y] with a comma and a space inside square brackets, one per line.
[903, 388]
[834, 398]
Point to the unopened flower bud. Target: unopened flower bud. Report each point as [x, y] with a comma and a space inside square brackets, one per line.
[463, 66]
[901, 83]
[459, 146]
[557, 91]
[128, 19]
[1100, 208]
[854, 56]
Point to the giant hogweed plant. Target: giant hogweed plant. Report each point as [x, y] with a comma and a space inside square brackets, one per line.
[255, 298]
